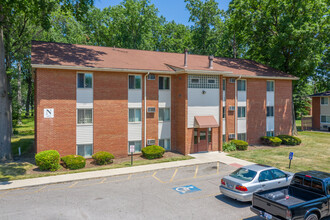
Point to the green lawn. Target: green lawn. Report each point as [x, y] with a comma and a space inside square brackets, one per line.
[312, 154]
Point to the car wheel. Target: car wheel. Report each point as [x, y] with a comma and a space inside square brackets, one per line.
[312, 216]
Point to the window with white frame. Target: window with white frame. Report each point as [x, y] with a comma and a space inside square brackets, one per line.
[134, 82]
[165, 143]
[270, 133]
[241, 136]
[209, 135]
[203, 81]
[164, 114]
[224, 85]
[223, 138]
[164, 82]
[241, 112]
[85, 150]
[241, 85]
[84, 80]
[134, 115]
[270, 111]
[137, 146]
[224, 112]
[84, 116]
[325, 119]
[324, 101]
[270, 86]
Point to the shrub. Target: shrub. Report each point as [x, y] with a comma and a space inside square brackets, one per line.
[229, 146]
[271, 141]
[48, 160]
[103, 158]
[153, 151]
[74, 162]
[240, 145]
[289, 140]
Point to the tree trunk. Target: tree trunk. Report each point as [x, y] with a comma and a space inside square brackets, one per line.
[5, 114]
[32, 104]
[28, 97]
[19, 93]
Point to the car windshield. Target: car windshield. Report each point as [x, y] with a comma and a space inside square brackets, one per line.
[244, 174]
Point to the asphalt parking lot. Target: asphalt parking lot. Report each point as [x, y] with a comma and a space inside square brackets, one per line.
[190, 192]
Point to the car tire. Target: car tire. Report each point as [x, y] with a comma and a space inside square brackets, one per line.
[312, 216]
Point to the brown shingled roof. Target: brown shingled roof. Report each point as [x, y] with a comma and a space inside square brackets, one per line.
[60, 54]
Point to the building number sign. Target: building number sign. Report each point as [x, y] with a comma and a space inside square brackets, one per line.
[48, 113]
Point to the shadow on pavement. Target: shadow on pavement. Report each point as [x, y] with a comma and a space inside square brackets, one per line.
[232, 202]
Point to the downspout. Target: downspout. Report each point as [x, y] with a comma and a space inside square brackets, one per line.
[236, 105]
[145, 109]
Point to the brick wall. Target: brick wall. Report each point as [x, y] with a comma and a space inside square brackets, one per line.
[230, 101]
[316, 112]
[56, 89]
[152, 101]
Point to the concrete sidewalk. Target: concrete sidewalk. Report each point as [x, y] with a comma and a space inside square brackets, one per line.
[200, 158]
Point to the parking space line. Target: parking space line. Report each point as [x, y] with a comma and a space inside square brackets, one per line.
[176, 170]
[196, 171]
[75, 183]
[154, 176]
[40, 189]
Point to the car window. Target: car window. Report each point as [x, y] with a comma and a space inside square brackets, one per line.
[244, 174]
[278, 174]
[265, 176]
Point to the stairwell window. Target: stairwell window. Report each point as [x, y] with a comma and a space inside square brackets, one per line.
[241, 85]
[165, 143]
[164, 114]
[85, 116]
[270, 86]
[241, 136]
[164, 82]
[324, 101]
[270, 111]
[241, 112]
[85, 150]
[134, 115]
[84, 80]
[134, 82]
[270, 133]
[137, 146]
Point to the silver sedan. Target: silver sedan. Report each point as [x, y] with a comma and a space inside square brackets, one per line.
[242, 183]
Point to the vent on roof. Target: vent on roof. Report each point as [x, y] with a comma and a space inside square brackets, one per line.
[151, 109]
[151, 77]
[231, 136]
[232, 80]
[151, 142]
[231, 108]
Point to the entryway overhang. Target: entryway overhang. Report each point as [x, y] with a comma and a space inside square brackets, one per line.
[205, 122]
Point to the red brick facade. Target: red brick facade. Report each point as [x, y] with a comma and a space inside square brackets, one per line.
[316, 101]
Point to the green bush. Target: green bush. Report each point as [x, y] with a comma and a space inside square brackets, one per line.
[289, 140]
[74, 162]
[228, 146]
[271, 141]
[103, 158]
[48, 160]
[153, 151]
[240, 145]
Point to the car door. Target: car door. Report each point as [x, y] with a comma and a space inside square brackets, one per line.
[280, 177]
[266, 180]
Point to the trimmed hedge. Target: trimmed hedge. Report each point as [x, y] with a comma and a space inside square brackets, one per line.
[228, 146]
[289, 140]
[240, 145]
[271, 141]
[103, 158]
[153, 151]
[48, 160]
[74, 162]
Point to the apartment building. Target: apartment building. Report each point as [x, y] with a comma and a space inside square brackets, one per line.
[321, 111]
[90, 99]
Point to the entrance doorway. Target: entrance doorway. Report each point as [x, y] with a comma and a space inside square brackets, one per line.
[201, 139]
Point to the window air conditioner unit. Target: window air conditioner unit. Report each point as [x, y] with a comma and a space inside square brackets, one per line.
[151, 109]
[231, 108]
[231, 136]
[232, 80]
[151, 77]
[151, 142]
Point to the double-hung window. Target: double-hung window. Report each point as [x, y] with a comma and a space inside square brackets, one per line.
[85, 116]
[324, 101]
[241, 112]
[165, 143]
[85, 80]
[224, 112]
[85, 150]
[164, 82]
[164, 114]
[224, 85]
[241, 86]
[270, 133]
[134, 115]
[134, 82]
[241, 136]
[325, 119]
[270, 111]
[270, 86]
[137, 146]
[209, 135]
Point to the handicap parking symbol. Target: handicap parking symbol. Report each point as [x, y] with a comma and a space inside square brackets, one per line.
[186, 189]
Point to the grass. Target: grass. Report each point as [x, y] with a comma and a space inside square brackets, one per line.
[23, 137]
[312, 154]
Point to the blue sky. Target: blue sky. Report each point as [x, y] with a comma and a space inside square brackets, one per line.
[170, 9]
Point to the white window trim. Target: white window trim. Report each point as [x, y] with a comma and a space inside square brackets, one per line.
[85, 144]
[82, 108]
[324, 104]
[134, 122]
[326, 122]
[134, 81]
[84, 79]
[169, 86]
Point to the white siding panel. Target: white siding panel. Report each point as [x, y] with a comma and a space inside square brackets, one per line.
[164, 130]
[164, 98]
[84, 98]
[224, 126]
[241, 125]
[270, 123]
[135, 98]
[202, 111]
[270, 98]
[197, 98]
[241, 96]
[224, 96]
[134, 131]
[84, 134]
[325, 109]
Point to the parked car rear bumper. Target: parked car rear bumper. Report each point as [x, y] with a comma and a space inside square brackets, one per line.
[243, 197]
[261, 213]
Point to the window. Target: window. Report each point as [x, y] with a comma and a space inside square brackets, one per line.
[241, 85]
[270, 111]
[211, 81]
[85, 116]
[164, 82]
[241, 136]
[134, 115]
[223, 138]
[224, 84]
[195, 136]
[265, 176]
[202, 135]
[134, 82]
[244, 174]
[278, 174]
[209, 135]
[137, 146]
[151, 77]
[194, 81]
[165, 143]
[325, 119]
[270, 133]
[241, 112]
[85, 80]
[224, 112]
[324, 100]
[164, 114]
[203, 81]
[85, 150]
[270, 86]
